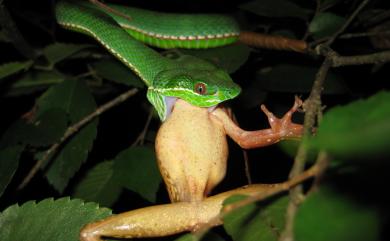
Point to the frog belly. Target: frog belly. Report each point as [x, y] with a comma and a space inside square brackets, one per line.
[191, 151]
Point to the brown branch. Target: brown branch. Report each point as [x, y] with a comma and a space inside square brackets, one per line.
[272, 42]
[72, 130]
[375, 58]
[338, 61]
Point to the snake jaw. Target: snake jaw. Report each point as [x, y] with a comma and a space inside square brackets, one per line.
[170, 103]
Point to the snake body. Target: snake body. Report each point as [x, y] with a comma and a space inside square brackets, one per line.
[173, 30]
[196, 81]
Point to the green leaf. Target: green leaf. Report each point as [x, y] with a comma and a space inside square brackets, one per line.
[44, 130]
[33, 81]
[13, 68]
[74, 97]
[262, 221]
[15, 134]
[136, 169]
[57, 52]
[48, 220]
[327, 215]
[187, 237]
[209, 236]
[229, 58]
[9, 161]
[297, 78]
[47, 128]
[325, 24]
[361, 128]
[114, 70]
[98, 185]
[276, 9]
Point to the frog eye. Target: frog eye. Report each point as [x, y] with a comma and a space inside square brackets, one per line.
[200, 88]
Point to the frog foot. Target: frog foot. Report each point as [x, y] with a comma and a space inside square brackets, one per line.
[284, 127]
[281, 128]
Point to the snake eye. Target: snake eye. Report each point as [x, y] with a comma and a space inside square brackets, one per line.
[200, 88]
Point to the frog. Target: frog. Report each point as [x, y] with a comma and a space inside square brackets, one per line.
[192, 151]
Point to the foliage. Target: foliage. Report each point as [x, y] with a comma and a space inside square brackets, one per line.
[43, 96]
[26, 222]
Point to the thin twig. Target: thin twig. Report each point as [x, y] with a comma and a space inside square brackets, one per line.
[247, 168]
[141, 137]
[322, 162]
[364, 34]
[72, 130]
[348, 22]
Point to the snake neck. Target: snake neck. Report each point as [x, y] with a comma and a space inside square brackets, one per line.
[84, 18]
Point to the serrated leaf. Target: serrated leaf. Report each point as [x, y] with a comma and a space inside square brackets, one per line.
[9, 161]
[229, 58]
[361, 128]
[98, 185]
[13, 68]
[262, 221]
[276, 9]
[328, 215]
[33, 81]
[57, 52]
[297, 79]
[114, 70]
[325, 24]
[74, 97]
[48, 220]
[136, 169]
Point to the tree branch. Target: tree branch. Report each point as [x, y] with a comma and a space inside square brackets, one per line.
[375, 58]
[72, 130]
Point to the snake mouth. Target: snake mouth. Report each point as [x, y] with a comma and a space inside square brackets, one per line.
[212, 108]
[170, 105]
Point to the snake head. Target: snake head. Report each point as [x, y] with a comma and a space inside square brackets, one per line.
[203, 86]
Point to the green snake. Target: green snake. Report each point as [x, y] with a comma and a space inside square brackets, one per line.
[194, 80]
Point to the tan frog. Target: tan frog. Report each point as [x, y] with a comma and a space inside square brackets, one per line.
[192, 151]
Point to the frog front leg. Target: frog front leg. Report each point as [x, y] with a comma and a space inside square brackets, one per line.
[281, 128]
